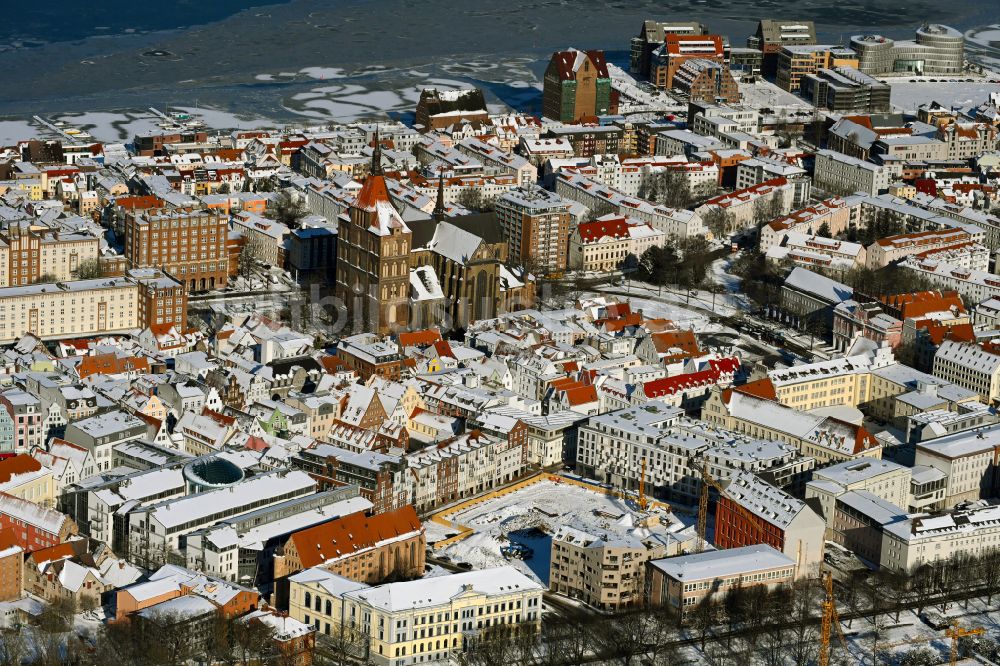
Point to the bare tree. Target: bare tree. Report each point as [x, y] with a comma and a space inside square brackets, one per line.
[13, 649]
[703, 617]
[287, 208]
[719, 221]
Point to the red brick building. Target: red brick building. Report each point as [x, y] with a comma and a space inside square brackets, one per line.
[11, 568]
[32, 526]
[189, 245]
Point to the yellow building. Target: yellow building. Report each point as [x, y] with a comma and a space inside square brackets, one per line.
[69, 309]
[24, 477]
[420, 621]
[794, 62]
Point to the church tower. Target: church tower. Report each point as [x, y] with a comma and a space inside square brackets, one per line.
[373, 256]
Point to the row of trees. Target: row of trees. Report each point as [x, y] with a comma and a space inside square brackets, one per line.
[53, 641]
[752, 625]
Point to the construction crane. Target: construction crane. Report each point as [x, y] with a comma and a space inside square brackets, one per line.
[830, 620]
[642, 487]
[954, 632]
[708, 481]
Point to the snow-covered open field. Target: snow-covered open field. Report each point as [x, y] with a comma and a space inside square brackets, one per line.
[532, 513]
[906, 96]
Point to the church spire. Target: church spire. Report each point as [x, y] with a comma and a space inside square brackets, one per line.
[376, 167]
[439, 209]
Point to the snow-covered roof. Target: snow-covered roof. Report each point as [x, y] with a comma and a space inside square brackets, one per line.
[440, 590]
[723, 563]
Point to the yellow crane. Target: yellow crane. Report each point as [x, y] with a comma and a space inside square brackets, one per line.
[829, 618]
[642, 487]
[954, 632]
[707, 480]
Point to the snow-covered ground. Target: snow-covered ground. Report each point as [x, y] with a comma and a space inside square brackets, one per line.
[906, 96]
[542, 506]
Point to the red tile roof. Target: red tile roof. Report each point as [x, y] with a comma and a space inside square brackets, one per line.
[565, 62]
[591, 232]
[351, 534]
[19, 464]
[422, 338]
[110, 364]
[581, 395]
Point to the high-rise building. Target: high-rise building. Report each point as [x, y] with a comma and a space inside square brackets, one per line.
[577, 84]
[651, 37]
[373, 251]
[772, 36]
[679, 49]
[795, 62]
[535, 223]
[188, 244]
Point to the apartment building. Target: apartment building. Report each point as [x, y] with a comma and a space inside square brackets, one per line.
[859, 521]
[754, 512]
[841, 174]
[29, 252]
[773, 35]
[811, 251]
[908, 544]
[159, 531]
[595, 194]
[891, 249]
[611, 447]
[189, 245]
[498, 162]
[798, 61]
[438, 621]
[967, 461]
[31, 526]
[608, 571]
[652, 35]
[677, 50]
[704, 80]
[969, 366]
[25, 431]
[381, 477]
[882, 478]
[683, 582]
[833, 212]
[844, 89]
[69, 309]
[536, 225]
[975, 286]
[468, 464]
[100, 433]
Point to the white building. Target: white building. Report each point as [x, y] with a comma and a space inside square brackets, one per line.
[883, 478]
[967, 461]
[969, 366]
[430, 620]
[842, 174]
[908, 544]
